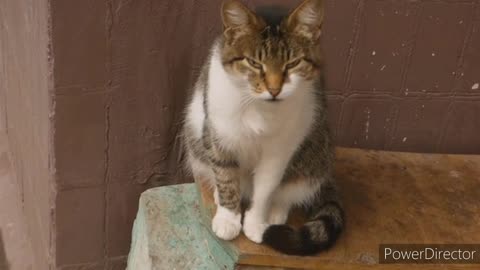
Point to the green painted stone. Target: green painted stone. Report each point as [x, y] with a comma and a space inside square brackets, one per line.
[169, 233]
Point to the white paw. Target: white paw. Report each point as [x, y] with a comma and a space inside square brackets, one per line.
[226, 224]
[278, 215]
[254, 227]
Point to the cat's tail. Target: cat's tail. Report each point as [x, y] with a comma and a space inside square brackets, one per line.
[325, 224]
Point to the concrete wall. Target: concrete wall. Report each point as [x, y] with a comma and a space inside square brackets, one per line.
[25, 77]
[401, 76]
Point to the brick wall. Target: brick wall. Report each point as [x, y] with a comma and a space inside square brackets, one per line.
[401, 76]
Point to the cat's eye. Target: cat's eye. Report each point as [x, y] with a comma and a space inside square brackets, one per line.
[254, 63]
[293, 64]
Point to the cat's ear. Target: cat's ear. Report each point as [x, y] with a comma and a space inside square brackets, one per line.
[236, 16]
[306, 20]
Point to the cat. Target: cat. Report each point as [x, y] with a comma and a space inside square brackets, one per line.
[256, 128]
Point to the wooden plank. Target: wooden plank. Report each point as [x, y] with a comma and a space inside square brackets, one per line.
[389, 198]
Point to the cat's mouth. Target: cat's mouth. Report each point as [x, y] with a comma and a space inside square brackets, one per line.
[273, 99]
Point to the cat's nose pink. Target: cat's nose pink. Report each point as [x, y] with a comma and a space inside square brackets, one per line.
[274, 91]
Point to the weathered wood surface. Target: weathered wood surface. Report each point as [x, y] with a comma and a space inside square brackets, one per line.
[389, 198]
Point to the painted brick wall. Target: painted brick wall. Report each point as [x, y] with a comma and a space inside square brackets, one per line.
[401, 75]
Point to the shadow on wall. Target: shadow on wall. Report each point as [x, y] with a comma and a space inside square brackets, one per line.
[3, 255]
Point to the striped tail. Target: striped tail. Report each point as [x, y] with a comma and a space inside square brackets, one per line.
[325, 224]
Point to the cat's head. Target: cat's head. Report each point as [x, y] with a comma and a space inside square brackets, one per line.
[273, 58]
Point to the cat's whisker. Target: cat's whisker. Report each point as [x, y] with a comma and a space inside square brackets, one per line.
[246, 101]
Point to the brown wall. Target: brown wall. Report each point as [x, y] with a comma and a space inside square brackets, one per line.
[402, 74]
[24, 91]
[400, 77]
[117, 110]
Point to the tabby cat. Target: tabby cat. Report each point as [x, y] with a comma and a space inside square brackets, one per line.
[256, 128]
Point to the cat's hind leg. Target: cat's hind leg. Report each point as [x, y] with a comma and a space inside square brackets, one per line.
[300, 192]
[278, 213]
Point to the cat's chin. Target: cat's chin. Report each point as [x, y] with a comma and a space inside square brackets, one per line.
[273, 100]
[270, 99]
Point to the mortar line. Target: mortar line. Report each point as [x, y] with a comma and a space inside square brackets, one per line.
[408, 62]
[108, 87]
[348, 68]
[357, 23]
[461, 57]
[453, 92]
[393, 133]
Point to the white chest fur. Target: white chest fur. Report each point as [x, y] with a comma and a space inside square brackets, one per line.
[246, 125]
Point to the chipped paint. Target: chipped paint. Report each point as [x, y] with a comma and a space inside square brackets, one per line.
[367, 123]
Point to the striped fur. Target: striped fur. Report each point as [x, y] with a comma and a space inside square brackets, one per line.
[256, 129]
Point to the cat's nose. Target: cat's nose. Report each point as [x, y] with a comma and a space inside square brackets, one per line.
[274, 91]
[273, 81]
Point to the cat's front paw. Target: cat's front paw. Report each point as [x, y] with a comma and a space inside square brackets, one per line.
[226, 224]
[254, 227]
